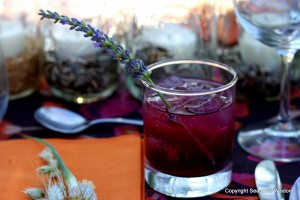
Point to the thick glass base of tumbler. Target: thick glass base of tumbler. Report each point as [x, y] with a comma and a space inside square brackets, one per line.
[272, 141]
[188, 187]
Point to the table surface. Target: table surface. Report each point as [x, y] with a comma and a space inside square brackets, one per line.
[19, 119]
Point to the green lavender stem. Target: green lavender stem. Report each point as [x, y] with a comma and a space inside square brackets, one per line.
[160, 95]
[70, 179]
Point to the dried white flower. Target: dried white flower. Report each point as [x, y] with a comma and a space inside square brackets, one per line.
[46, 170]
[55, 192]
[84, 191]
[46, 154]
[35, 193]
[58, 181]
[53, 162]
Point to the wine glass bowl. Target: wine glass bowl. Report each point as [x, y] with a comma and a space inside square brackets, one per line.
[4, 92]
[275, 23]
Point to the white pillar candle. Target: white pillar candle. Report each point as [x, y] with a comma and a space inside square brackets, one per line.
[70, 44]
[12, 37]
[256, 53]
[179, 41]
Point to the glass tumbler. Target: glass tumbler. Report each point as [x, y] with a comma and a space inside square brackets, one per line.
[189, 144]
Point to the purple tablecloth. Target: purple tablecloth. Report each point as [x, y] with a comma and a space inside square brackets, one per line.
[19, 119]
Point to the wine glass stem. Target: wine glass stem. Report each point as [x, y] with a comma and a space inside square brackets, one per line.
[284, 118]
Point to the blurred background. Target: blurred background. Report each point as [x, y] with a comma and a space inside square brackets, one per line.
[52, 60]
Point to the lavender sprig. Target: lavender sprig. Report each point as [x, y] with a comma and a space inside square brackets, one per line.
[135, 67]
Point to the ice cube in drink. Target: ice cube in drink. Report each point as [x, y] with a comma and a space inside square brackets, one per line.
[195, 137]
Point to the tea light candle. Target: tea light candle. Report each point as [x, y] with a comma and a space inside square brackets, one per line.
[177, 40]
[71, 43]
[12, 36]
[254, 52]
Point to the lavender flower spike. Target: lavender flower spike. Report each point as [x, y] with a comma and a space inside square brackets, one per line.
[135, 67]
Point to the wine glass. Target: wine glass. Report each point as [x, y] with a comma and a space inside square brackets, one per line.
[275, 23]
[4, 92]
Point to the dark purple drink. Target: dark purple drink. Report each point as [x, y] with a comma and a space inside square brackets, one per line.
[195, 137]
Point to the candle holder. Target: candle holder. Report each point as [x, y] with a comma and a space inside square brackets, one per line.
[164, 30]
[20, 46]
[72, 67]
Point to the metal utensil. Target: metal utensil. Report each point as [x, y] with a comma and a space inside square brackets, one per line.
[295, 191]
[268, 181]
[66, 121]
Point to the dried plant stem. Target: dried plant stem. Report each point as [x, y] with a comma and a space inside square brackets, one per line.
[69, 178]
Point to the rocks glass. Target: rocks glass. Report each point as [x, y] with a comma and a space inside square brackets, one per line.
[189, 146]
[18, 34]
[74, 69]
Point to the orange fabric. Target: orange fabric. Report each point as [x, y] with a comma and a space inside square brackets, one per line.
[113, 164]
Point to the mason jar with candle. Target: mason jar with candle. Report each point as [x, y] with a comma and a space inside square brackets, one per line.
[166, 30]
[20, 44]
[73, 68]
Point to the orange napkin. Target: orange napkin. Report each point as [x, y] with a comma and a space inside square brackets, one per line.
[113, 164]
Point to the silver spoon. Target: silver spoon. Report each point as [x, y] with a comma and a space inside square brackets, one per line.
[268, 181]
[66, 121]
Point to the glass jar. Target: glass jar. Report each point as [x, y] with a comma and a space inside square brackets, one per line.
[169, 30]
[20, 44]
[73, 68]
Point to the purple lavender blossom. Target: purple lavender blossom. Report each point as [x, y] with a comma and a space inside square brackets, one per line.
[135, 67]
